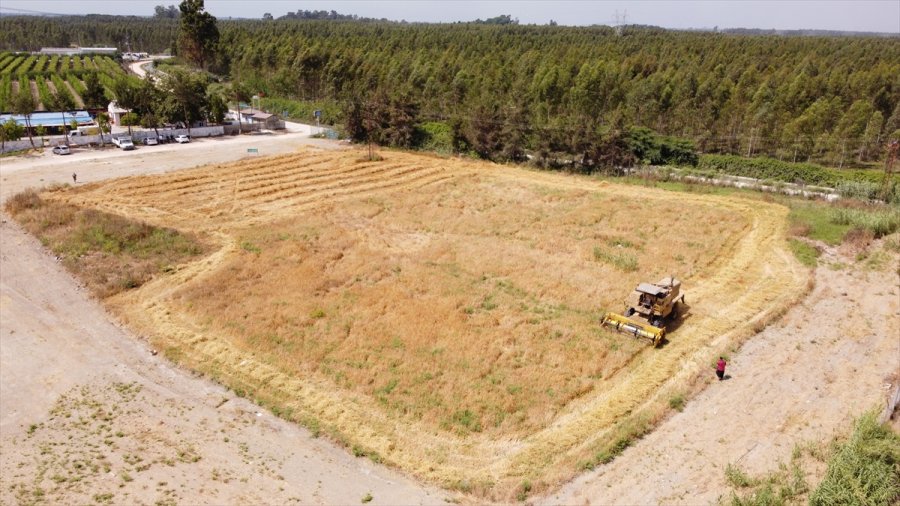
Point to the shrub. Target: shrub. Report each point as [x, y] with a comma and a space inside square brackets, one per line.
[656, 149]
[774, 170]
[880, 221]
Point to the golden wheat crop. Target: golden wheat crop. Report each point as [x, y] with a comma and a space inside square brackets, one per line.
[440, 314]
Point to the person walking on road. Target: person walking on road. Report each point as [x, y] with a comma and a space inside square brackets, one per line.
[74, 177]
[720, 368]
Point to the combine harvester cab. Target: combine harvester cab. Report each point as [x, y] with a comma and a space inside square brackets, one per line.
[647, 310]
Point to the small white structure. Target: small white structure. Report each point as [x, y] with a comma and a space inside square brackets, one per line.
[72, 51]
[116, 113]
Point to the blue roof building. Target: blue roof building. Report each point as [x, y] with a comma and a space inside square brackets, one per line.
[50, 119]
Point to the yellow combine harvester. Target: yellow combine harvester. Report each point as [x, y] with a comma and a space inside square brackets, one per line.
[647, 309]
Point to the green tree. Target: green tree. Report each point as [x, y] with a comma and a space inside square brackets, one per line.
[24, 105]
[103, 123]
[162, 12]
[198, 35]
[216, 108]
[94, 97]
[186, 99]
[41, 132]
[128, 97]
[11, 130]
[130, 119]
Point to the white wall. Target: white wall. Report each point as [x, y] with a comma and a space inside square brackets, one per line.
[20, 145]
[137, 135]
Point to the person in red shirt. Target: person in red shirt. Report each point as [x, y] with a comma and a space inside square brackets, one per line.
[720, 368]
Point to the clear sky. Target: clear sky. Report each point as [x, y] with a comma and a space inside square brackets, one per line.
[848, 15]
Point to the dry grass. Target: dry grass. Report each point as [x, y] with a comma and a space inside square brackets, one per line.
[108, 252]
[441, 315]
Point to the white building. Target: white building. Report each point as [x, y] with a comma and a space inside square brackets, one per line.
[116, 113]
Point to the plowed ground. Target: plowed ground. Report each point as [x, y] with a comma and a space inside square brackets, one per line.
[441, 315]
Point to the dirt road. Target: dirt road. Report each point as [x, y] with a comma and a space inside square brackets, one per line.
[802, 379]
[88, 413]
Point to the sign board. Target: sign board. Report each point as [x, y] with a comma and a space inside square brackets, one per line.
[317, 113]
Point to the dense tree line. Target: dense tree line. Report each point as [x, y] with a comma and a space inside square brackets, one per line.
[502, 90]
[31, 33]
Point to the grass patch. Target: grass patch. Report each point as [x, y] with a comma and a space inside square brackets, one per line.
[625, 262]
[863, 470]
[880, 220]
[625, 435]
[813, 220]
[830, 223]
[109, 253]
[805, 253]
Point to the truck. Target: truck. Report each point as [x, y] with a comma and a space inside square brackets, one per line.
[124, 143]
[86, 130]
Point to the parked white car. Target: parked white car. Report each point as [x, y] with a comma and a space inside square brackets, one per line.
[151, 141]
[182, 139]
[61, 150]
[123, 142]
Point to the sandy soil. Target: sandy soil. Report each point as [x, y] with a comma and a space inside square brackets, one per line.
[805, 378]
[89, 414]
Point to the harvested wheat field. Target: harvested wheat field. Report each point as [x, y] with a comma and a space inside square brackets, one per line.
[442, 315]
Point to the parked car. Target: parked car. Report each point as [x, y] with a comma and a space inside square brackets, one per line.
[62, 150]
[182, 139]
[151, 141]
[123, 142]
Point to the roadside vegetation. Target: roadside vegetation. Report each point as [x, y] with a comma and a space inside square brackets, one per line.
[108, 253]
[862, 469]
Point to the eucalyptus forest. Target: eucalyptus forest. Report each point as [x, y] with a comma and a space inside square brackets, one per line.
[507, 91]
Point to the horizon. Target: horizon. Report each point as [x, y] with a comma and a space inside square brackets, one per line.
[871, 16]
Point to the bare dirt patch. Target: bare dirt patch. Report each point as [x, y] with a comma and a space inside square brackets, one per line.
[441, 315]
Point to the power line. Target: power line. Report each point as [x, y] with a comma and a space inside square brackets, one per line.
[29, 11]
